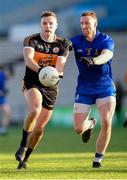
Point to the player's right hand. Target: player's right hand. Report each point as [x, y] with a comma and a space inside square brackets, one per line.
[87, 60]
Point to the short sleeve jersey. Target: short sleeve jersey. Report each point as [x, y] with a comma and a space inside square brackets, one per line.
[97, 75]
[46, 53]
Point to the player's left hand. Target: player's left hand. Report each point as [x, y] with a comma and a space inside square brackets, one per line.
[67, 44]
[87, 60]
[61, 75]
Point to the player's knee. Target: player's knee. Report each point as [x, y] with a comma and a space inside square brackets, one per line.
[78, 130]
[107, 126]
[34, 113]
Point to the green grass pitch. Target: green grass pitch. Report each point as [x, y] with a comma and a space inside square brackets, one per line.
[62, 155]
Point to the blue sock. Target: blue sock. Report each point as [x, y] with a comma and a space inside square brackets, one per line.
[98, 157]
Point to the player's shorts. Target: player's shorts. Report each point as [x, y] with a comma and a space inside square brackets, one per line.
[85, 108]
[3, 100]
[91, 99]
[49, 95]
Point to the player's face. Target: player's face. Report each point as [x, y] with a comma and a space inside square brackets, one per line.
[88, 25]
[48, 25]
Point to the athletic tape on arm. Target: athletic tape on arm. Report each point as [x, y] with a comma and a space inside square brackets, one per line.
[105, 56]
[62, 59]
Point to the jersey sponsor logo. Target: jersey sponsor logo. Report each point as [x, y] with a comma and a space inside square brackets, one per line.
[44, 59]
[88, 51]
[40, 47]
[44, 63]
[56, 49]
[47, 48]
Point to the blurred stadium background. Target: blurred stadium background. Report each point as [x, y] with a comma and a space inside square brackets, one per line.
[19, 18]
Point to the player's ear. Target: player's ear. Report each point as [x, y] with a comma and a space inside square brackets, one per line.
[56, 25]
[96, 24]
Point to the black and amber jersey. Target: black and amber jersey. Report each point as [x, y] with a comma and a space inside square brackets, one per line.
[46, 53]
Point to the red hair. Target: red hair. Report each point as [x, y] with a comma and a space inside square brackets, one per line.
[89, 13]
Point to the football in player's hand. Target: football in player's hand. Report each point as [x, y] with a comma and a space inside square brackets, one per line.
[48, 76]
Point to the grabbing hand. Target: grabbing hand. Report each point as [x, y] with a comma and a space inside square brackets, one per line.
[87, 60]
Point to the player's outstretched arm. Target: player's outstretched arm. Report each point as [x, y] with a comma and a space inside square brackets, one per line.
[104, 57]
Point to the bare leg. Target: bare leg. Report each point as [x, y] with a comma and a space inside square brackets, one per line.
[6, 115]
[33, 99]
[34, 103]
[38, 130]
[106, 110]
[106, 114]
[37, 133]
[5, 108]
[81, 115]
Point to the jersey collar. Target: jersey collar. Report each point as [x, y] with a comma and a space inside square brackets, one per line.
[97, 34]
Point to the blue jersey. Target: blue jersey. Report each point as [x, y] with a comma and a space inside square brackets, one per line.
[2, 82]
[96, 78]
